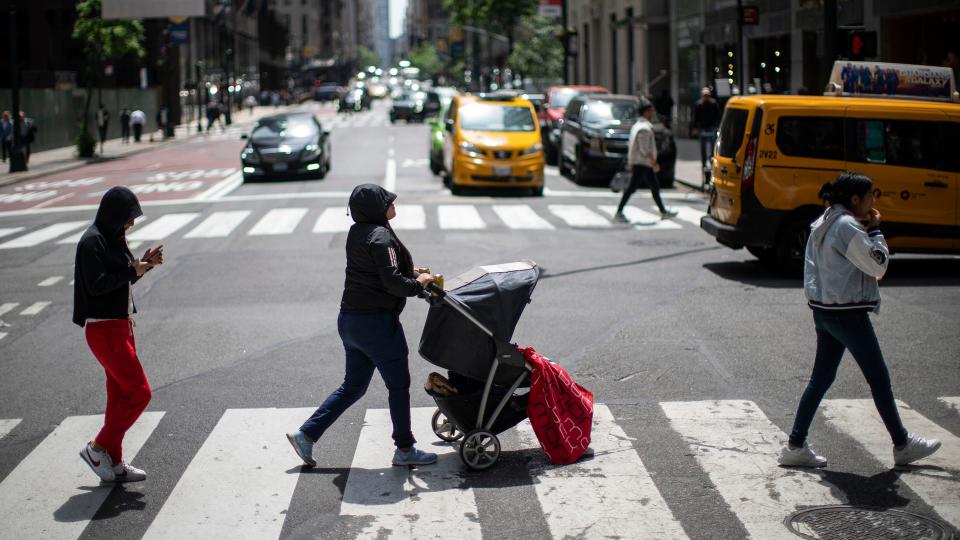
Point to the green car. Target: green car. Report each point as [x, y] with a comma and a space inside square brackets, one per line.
[445, 95]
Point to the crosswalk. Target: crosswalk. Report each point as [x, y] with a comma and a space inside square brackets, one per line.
[410, 217]
[242, 479]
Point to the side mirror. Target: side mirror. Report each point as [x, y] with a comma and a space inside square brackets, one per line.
[244, 136]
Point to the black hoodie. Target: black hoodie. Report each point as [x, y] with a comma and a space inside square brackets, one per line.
[379, 268]
[104, 268]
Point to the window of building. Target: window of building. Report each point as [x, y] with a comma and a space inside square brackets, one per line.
[811, 136]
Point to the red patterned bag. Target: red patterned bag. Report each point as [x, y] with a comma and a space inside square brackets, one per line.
[560, 410]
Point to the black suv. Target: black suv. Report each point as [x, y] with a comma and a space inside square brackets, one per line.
[596, 132]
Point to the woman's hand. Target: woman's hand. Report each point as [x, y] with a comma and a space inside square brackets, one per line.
[141, 267]
[873, 220]
[425, 280]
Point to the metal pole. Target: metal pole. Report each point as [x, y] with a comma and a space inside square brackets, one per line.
[18, 160]
[829, 37]
[566, 45]
[228, 59]
[741, 56]
[196, 68]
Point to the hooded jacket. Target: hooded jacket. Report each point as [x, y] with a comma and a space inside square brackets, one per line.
[379, 274]
[104, 267]
[843, 263]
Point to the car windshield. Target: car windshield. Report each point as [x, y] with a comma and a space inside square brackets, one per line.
[414, 96]
[610, 113]
[479, 117]
[560, 98]
[271, 129]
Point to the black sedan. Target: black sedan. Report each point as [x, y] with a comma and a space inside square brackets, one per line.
[410, 107]
[286, 146]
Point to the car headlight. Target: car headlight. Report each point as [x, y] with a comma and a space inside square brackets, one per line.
[532, 150]
[311, 151]
[470, 149]
[250, 155]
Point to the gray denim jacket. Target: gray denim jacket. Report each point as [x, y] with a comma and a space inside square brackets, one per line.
[843, 262]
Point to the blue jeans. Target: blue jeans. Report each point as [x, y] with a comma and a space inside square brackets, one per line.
[371, 342]
[708, 140]
[836, 332]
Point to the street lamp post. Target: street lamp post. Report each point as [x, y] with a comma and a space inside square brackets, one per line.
[196, 68]
[226, 117]
[18, 160]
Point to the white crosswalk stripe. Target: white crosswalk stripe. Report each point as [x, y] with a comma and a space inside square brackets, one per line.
[50, 281]
[578, 215]
[459, 217]
[427, 502]
[641, 219]
[600, 496]
[10, 230]
[162, 227]
[3, 335]
[237, 485]
[43, 235]
[689, 214]
[7, 307]
[35, 308]
[333, 220]
[278, 221]
[936, 481]
[737, 446]
[7, 425]
[410, 217]
[218, 224]
[520, 216]
[52, 493]
[953, 402]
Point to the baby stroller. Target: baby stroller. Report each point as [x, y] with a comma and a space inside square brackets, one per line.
[468, 331]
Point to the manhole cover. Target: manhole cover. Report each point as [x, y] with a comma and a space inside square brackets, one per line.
[863, 522]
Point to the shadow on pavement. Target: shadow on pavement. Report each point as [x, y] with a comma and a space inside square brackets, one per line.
[753, 273]
[548, 274]
[902, 272]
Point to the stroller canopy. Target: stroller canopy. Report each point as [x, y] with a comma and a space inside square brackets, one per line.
[496, 296]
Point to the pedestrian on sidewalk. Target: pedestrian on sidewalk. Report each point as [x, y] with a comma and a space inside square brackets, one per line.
[642, 160]
[103, 120]
[706, 119]
[845, 257]
[379, 277]
[28, 134]
[213, 115]
[6, 134]
[125, 125]
[251, 103]
[138, 119]
[162, 114]
[104, 273]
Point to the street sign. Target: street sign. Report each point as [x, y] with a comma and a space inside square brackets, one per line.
[180, 32]
[142, 9]
[750, 15]
[551, 8]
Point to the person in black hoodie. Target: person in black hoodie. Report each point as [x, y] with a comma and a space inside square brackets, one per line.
[379, 278]
[104, 273]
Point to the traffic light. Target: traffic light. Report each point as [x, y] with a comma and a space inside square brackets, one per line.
[861, 44]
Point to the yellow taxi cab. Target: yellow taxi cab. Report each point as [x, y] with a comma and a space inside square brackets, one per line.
[492, 141]
[898, 124]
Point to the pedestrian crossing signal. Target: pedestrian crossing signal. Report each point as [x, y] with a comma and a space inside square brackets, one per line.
[861, 44]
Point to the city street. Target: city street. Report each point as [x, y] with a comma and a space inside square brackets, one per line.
[696, 355]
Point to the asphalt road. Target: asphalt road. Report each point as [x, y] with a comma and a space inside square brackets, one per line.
[659, 321]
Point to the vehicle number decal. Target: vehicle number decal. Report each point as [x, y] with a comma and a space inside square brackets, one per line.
[768, 154]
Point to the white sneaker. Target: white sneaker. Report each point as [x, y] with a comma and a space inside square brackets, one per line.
[124, 472]
[801, 457]
[916, 448]
[100, 462]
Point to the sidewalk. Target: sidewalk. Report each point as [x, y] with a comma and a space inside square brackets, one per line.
[688, 170]
[65, 158]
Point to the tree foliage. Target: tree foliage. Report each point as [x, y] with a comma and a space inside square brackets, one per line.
[539, 53]
[366, 57]
[499, 16]
[426, 58]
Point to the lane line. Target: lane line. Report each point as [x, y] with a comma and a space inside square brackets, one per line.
[223, 187]
[578, 215]
[9, 306]
[52, 493]
[218, 224]
[47, 233]
[7, 425]
[50, 281]
[424, 502]
[737, 446]
[34, 309]
[952, 402]
[641, 219]
[333, 220]
[459, 217]
[163, 227]
[240, 482]
[521, 216]
[935, 478]
[390, 179]
[278, 221]
[604, 495]
[10, 230]
[410, 217]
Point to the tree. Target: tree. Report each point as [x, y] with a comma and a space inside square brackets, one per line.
[102, 40]
[499, 16]
[426, 58]
[539, 54]
[366, 57]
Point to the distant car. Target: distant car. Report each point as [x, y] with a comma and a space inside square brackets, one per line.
[326, 92]
[410, 106]
[537, 100]
[286, 146]
[595, 134]
[355, 99]
[551, 114]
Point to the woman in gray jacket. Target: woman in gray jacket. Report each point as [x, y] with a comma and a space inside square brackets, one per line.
[846, 255]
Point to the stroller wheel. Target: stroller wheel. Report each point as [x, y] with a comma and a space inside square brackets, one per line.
[444, 428]
[480, 450]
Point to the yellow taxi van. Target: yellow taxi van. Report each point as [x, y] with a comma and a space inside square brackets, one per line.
[492, 141]
[898, 124]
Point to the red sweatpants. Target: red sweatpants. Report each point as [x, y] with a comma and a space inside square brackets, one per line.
[128, 391]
